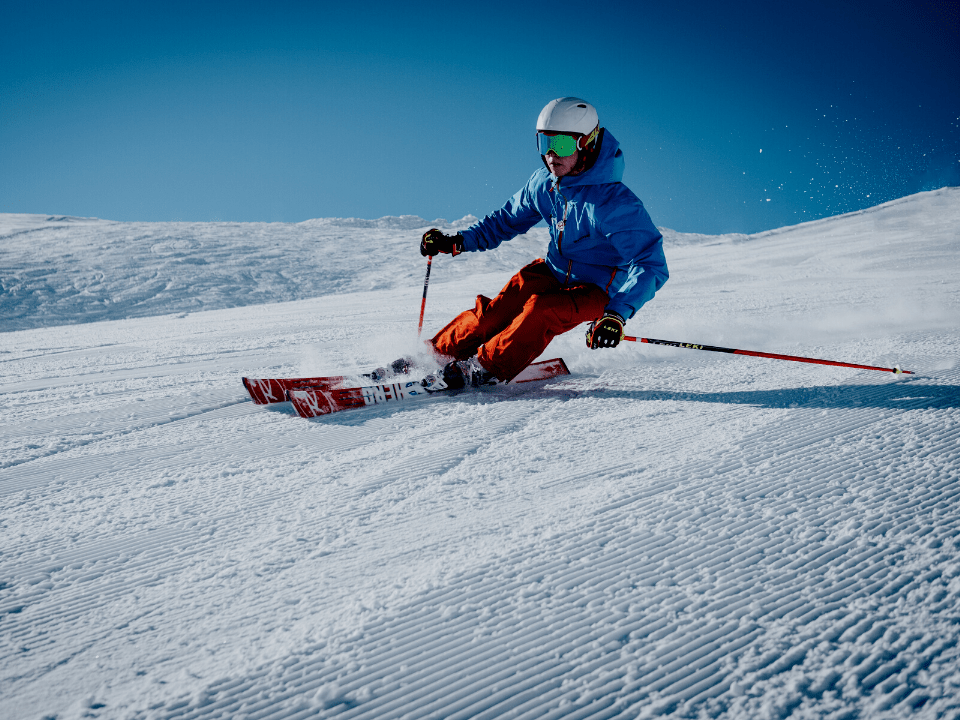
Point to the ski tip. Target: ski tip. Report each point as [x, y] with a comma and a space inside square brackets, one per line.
[542, 371]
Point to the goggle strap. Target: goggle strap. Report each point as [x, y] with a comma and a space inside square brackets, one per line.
[587, 139]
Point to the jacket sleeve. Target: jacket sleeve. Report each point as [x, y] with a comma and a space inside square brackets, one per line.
[637, 280]
[518, 215]
[643, 269]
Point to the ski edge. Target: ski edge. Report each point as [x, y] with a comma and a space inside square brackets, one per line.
[265, 391]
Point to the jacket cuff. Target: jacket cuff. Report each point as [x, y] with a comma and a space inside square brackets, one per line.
[469, 240]
[622, 309]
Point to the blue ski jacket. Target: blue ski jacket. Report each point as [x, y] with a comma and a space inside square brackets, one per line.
[600, 232]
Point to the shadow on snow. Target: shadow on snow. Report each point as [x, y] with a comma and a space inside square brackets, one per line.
[902, 395]
[888, 396]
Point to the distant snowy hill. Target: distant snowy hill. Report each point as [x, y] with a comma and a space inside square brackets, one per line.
[664, 533]
[57, 270]
[64, 270]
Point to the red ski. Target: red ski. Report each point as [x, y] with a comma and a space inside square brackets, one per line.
[274, 390]
[264, 391]
[314, 401]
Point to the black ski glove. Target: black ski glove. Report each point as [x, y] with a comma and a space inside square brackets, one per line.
[435, 242]
[605, 332]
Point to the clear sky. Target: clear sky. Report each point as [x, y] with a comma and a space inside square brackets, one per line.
[733, 117]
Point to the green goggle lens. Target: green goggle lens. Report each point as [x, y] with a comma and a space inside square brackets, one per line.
[561, 145]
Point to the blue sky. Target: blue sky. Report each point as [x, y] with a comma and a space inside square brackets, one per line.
[732, 119]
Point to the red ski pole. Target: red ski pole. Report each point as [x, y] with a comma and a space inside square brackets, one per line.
[772, 356]
[423, 305]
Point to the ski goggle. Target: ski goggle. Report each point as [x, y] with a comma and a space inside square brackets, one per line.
[560, 145]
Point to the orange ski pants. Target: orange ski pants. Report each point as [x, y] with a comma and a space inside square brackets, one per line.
[510, 331]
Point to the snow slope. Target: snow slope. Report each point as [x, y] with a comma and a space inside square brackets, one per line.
[664, 533]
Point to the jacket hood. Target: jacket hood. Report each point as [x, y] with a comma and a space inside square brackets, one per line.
[607, 169]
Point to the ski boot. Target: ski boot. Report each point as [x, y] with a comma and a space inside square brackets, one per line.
[400, 366]
[467, 373]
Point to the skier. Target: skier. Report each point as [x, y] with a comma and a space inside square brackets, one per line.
[605, 258]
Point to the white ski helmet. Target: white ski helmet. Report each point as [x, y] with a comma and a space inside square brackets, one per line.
[568, 115]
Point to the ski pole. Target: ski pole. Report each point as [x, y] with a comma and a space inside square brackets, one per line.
[423, 305]
[753, 353]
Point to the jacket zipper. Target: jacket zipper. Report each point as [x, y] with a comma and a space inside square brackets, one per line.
[561, 226]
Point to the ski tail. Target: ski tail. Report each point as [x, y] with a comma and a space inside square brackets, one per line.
[311, 402]
[264, 391]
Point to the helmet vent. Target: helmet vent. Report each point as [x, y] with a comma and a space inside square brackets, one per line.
[581, 105]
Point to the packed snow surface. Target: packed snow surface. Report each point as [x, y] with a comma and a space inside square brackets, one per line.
[665, 532]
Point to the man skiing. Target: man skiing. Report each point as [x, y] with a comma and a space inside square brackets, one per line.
[605, 258]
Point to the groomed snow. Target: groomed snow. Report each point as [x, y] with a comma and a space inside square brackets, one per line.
[665, 532]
